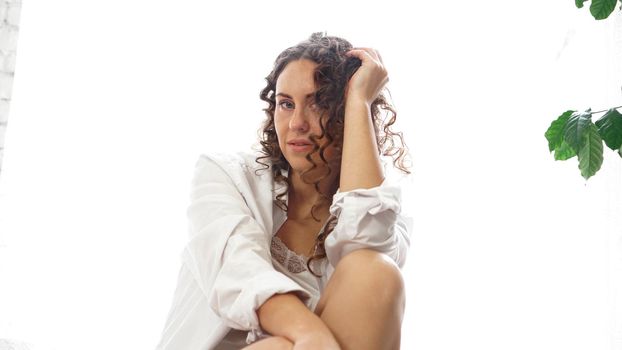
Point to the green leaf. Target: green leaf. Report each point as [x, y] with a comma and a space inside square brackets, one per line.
[610, 128]
[591, 153]
[564, 152]
[575, 129]
[601, 9]
[579, 3]
[554, 134]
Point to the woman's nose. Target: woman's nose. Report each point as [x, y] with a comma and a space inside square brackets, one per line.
[299, 122]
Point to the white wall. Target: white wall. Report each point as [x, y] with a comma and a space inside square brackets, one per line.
[112, 104]
[9, 29]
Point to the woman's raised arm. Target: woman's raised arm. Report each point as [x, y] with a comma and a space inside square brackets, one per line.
[360, 163]
[369, 210]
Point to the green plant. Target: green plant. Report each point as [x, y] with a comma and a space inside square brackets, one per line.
[574, 134]
[600, 9]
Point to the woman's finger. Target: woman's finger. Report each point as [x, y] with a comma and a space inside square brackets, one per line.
[371, 52]
[359, 53]
[364, 56]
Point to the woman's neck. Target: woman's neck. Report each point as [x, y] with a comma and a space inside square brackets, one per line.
[303, 196]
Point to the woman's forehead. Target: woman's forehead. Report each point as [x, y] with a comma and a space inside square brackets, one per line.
[297, 79]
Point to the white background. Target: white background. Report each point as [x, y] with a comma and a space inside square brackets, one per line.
[114, 101]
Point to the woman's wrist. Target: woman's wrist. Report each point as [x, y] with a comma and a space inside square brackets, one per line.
[357, 101]
[286, 315]
[308, 325]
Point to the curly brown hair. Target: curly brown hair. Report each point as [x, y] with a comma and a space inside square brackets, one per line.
[334, 70]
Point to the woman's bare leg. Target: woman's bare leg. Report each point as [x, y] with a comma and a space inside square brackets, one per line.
[363, 302]
[271, 343]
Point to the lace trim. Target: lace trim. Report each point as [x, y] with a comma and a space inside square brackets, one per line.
[294, 263]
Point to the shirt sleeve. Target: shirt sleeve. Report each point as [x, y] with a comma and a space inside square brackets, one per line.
[369, 218]
[225, 234]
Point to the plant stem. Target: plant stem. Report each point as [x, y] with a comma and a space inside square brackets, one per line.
[605, 110]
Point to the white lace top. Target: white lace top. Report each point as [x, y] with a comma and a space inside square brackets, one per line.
[293, 262]
[294, 265]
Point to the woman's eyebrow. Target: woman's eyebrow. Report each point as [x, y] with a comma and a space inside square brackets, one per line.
[289, 96]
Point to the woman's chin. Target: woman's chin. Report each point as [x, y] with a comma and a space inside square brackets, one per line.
[299, 169]
[311, 175]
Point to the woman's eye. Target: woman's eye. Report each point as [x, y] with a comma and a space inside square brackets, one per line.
[286, 104]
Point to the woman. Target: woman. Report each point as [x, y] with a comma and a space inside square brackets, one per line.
[300, 247]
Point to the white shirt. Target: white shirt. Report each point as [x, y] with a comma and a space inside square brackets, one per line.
[227, 270]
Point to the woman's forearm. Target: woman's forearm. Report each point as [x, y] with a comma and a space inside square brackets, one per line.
[287, 316]
[360, 162]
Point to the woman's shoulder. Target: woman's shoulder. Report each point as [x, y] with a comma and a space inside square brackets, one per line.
[232, 161]
[238, 165]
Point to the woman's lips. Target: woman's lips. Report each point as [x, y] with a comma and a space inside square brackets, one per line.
[300, 146]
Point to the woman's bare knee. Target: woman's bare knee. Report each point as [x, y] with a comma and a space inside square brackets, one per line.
[368, 284]
[370, 272]
[374, 265]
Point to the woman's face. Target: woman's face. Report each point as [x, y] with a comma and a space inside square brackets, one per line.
[296, 117]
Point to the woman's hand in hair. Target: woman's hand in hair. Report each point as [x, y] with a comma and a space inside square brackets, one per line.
[367, 82]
